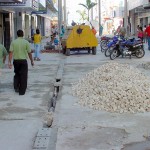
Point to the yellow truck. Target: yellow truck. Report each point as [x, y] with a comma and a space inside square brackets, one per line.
[79, 37]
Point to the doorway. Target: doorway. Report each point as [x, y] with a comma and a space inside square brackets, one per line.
[6, 23]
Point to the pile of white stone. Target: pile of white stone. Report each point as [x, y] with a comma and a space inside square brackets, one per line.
[114, 87]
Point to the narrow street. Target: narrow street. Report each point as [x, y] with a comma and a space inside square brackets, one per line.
[76, 97]
[83, 128]
[74, 126]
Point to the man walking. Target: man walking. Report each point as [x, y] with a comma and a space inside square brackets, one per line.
[20, 50]
[147, 32]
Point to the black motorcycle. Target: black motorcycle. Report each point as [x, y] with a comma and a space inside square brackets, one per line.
[130, 47]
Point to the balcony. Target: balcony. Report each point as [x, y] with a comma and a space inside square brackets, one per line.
[51, 6]
[132, 4]
[11, 1]
[147, 6]
[19, 5]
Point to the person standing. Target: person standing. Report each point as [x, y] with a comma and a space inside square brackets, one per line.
[137, 28]
[20, 50]
[101, 30]
[145, 37]
[56, 43]
[140, 33]
[37, 45]
[147, 32]
[53, 30]
[94, 31]
[122, 31]
[118, 30]
[3, 54]
[62, 31]
[32, 33]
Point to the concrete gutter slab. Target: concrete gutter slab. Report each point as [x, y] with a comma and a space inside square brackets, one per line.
[18, 134]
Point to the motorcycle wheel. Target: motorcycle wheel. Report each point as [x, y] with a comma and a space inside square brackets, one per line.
[139, 53]
[114, 54]
[107, 52]
[103, 45]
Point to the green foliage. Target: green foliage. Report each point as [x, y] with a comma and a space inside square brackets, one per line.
[83, 15]
[89, 5]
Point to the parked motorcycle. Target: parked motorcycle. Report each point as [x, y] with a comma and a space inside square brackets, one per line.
[112, 44]
[103, 43]
[130, 47]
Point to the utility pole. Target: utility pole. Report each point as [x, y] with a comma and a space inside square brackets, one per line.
[91, 14]
[65, 13]
[59, 15]
[99, 10]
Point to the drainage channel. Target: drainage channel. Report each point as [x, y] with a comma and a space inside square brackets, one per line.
[46, 136]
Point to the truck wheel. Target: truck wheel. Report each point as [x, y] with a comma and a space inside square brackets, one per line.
[89, 51]
[94, 50]
[64, 50]
[67, 52]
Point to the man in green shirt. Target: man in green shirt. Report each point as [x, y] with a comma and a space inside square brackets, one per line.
[20, 50]
[3, 54]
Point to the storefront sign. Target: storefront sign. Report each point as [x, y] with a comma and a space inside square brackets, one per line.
[41, 8]
[10, 1]
[35, 4]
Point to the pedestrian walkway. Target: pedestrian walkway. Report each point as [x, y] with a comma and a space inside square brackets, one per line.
[78, 127]
[22, 116]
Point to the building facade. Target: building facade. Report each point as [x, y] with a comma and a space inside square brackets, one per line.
[138, 14]
[27, 15]
[111, 15]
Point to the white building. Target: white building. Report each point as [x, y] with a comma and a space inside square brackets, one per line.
[26, 15]
[138, 13]
[111, 14]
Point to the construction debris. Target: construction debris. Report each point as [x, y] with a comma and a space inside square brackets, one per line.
[114, 87]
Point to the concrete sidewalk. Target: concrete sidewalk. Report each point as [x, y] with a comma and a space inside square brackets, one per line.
[21, 117]
[74, 127]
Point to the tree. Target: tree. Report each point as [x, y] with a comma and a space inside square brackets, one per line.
[88, 6]
[82, 14]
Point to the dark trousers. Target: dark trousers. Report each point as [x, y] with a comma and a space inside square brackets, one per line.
[20, 77]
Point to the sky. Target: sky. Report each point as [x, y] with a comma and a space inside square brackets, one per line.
[73, 6]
